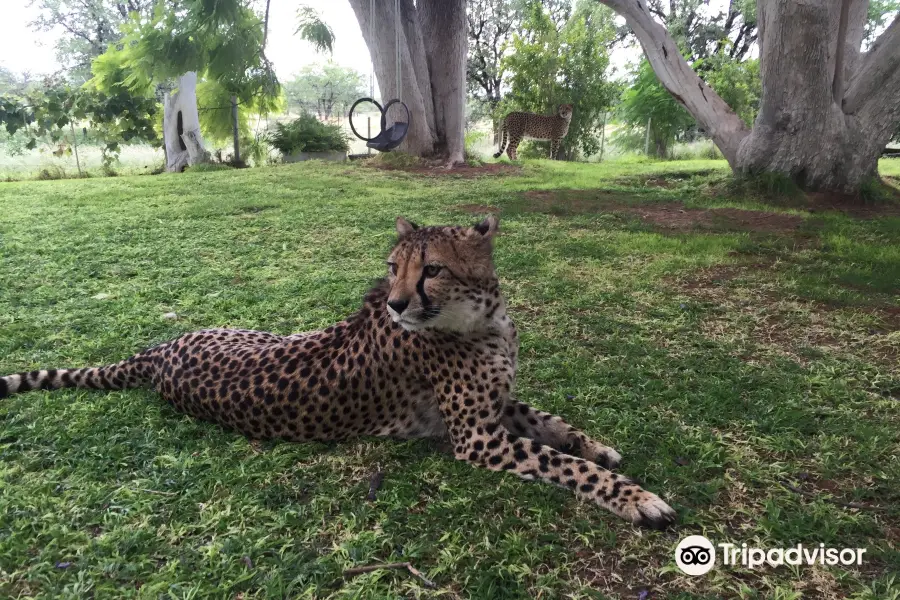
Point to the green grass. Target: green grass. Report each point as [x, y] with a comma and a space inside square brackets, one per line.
[720, 361]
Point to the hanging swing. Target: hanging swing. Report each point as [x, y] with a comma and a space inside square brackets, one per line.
[389, 137]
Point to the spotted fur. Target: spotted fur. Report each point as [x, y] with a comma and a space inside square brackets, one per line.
[521, 125]
[431, 353]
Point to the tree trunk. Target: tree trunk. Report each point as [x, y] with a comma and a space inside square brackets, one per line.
[802, 130]
[826, 109]
[444, 32]
[428, 87]
[181, 126]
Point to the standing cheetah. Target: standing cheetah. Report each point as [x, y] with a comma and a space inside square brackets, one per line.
[431, 353]
[520, 125]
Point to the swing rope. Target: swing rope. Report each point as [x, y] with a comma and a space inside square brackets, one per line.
[397, 48]
[390, 136]
[398, 80]
[372, 37]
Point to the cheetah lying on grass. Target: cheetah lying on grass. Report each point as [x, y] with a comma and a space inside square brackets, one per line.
[431, 352]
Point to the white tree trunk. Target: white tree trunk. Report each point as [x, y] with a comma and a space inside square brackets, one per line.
[444, 31]
[427, 86]
[185, 146]
[826, 110]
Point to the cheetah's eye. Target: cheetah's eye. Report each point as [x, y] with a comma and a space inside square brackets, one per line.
[432, 270]
[392, 267]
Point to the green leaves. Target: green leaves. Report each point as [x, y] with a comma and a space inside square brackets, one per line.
[221, 40]
[307, 134]
[311, 28]
[554, 63]
[325, 89]
[45, 114]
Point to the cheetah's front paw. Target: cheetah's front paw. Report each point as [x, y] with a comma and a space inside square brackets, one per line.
[604, 456]
[646, 509]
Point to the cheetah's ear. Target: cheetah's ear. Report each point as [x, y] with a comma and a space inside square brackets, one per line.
[404, 227]
[488, 227]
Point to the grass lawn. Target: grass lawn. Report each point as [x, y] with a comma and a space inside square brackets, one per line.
[730, 350]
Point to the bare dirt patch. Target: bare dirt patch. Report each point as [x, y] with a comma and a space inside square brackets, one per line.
[665, 216]
[719, 275]
[746, 312]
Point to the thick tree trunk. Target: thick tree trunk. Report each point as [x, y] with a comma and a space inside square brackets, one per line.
[181, 126]
[803, 130]
[428, 87]
[800, 130]
[444, 32]
[826, 109]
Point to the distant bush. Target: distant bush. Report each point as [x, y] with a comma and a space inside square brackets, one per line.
[699, 150]
[50, 173]
[307, 134]
[473, 139]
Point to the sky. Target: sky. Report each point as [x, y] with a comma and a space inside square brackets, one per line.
[22, 49]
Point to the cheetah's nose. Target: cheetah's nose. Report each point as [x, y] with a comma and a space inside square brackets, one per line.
[398, 305]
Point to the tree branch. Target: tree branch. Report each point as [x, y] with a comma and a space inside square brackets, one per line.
[837, 86]
[878, 65]
[711, 112]
[856, 30]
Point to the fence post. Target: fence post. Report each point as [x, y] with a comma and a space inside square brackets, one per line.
[234, 125]
[75, 146]
[368, 133]
[647, 138]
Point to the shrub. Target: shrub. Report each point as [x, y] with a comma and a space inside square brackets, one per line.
[50, 173]
[766, 185]
[307, 134]
[473, 139]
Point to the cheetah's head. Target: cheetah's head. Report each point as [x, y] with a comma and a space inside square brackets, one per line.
[565, 111]
[443, 277]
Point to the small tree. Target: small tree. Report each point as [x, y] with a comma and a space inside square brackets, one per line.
[558, 63]
[647, 101]
[50, 113]
[86, 29]
[324, 89]
[214, 50]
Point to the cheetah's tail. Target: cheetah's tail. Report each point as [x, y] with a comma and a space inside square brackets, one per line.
[502, 141]
[131, 372]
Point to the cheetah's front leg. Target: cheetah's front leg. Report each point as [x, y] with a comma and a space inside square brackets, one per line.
[554, 149]
[473, 421]
[550, 430]
[499, 450]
